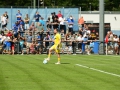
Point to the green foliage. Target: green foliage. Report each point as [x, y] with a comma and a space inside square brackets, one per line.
[86, 5]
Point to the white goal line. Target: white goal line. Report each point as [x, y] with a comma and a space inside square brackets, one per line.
[98, 70]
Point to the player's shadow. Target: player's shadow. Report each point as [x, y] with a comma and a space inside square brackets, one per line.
[65, 63]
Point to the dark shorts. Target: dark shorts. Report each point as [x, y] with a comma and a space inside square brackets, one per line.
[62, 27]
[79, 45]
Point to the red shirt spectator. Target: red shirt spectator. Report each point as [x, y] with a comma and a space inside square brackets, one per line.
[59, 14]
[9, 34]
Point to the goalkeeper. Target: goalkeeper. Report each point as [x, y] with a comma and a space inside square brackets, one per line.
[56, 47]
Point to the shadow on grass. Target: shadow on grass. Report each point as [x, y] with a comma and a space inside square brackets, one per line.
[65, 63]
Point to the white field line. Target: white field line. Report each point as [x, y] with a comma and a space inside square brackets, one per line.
[98, 70]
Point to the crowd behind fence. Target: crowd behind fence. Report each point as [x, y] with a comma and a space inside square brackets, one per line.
[33, 39]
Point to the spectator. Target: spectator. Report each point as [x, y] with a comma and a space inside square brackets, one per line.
[8, 45]
[54, 16]
[2, 37]
[55, 23]
[37, 17]
[32, 27]
[22, 45]
[63, 45]
[50, 17]
[32, 48]
[59, 14]
[42, 21]
[47, 39]
[16, 29]
[19, 16]
[79, 39]
[81, 22]
[7, 17]
[13, 40]
[49, 25]
[73, 38]
[69, 43]
[39, 44]
[4, 22]
[116, 40]
[62, 24]
[70, 21]
[26, 20]
[84, 44]
[21, 28]
[80, 31]
[39, 27]
[9, 34]
[29, 40]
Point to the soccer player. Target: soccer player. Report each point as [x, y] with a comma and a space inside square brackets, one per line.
[56, 47]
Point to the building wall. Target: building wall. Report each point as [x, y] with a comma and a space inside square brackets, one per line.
[113, 19]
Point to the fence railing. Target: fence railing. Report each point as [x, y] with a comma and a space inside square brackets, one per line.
[76, 47]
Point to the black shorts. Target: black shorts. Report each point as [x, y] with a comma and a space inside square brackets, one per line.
[49, 26]
[62, 27]
[71, 30]
[3, 26]
[79, 45]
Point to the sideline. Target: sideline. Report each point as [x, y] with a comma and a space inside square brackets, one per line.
[98, 70]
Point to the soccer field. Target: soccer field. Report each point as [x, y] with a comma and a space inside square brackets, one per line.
[80, 72]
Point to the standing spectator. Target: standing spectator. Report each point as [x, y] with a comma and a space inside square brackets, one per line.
[116, 40]
[19, 16]
[8, 45]
[49, 25]
[7, 17]
[79, 39]
[13, 45]
[59, 14]
[21, 28]
[81, 22]
[21, 45]
[39, 44]
[55, 23]
[46, 39]
[2, 37]
[62, 24]
[26, 20]
[73, 38]
[4, 22]
[50, 17]
[15, 29]
[54, 16]
[29, 42]
[70, 24]
[69, 43]
[37, 17]
[84, 44]
[81, 31]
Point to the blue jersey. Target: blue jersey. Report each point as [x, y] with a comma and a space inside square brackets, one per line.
[42, 22]
[39, 38]
[20, 15]
[37, 16]
[15, 27]
[8, 44]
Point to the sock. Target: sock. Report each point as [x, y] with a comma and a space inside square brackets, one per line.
[58, 59]
[49, 55]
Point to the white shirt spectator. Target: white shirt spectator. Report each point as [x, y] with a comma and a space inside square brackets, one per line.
[3, 20]
[79, 38]
[62, 21]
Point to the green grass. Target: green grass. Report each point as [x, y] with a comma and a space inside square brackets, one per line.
[27, 72]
